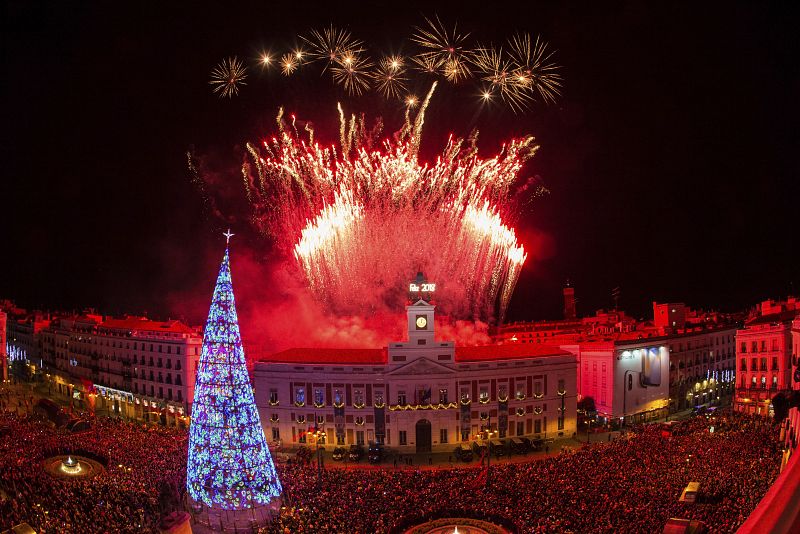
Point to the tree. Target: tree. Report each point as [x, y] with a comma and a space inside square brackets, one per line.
[783, 402]
[229, 465]
[586, 405]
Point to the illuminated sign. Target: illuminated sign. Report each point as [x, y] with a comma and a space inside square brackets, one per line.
[423, 288]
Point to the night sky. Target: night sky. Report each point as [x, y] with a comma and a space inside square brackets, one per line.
[672, 157]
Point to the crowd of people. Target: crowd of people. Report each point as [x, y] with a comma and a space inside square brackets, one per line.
[631, 484]
[142, 464]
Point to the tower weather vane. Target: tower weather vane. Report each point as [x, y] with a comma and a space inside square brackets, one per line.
[228, 235]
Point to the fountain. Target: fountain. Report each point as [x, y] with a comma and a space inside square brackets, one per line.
[70, 466]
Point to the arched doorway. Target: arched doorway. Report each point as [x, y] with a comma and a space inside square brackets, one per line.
[423, 435]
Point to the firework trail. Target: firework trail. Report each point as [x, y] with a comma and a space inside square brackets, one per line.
[361, 218]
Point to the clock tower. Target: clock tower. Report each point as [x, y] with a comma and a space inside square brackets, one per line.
[420, 311]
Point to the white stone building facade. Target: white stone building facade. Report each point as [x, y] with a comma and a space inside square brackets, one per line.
[421, 395]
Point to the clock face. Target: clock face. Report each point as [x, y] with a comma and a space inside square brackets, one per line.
[422, 321]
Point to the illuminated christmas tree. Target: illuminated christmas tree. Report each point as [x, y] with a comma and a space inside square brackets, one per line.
[229, 466]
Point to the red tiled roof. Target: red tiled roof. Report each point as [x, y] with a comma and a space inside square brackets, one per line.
[513, 351]
[145, 325]
[329, 356]
[780, 317]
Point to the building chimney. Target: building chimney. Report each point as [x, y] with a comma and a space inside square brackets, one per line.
[569, 302]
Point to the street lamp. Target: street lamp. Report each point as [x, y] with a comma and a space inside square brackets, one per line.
[489, 434]
[625, 397]
[319, 433]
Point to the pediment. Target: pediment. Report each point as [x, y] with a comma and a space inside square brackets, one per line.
[422, 366]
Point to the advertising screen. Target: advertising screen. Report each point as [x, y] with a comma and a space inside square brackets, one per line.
[651, 367]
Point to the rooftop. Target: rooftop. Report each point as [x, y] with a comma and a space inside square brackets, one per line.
[513, 351]
[329, 356]
[780, 317]
[144, 325]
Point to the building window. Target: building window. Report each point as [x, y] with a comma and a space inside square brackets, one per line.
[774, 381]
[337, 398]
[443, 435]
[754, 364]
[402, 437]
[401, 400]
[180, 395]
[300, 396]
[276, 433]
[537, 426]
[502, 393]
[319, 397]
[178, 380]
[774, 363]
[561, 389]
[273, 396]
[763, 382]
[358, 398]
[360, 437]
[743, 367]
[443, 397]
[378, 401]
[483, 396]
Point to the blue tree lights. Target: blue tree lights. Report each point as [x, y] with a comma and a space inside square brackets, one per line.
[229, 464]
